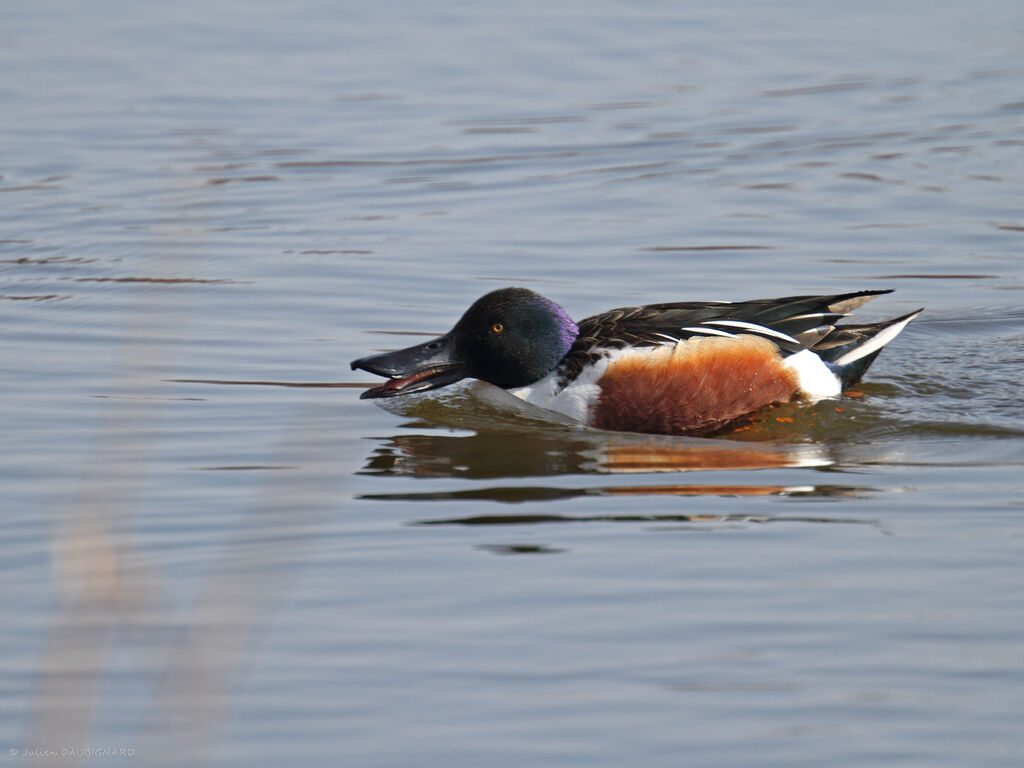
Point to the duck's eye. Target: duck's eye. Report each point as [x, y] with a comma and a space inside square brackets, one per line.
[497, 327]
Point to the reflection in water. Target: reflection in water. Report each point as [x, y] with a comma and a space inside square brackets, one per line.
[511, 438]
[505, 453]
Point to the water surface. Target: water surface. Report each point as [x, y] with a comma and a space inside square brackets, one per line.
[212, 559]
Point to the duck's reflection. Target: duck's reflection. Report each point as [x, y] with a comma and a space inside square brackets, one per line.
[496, 453]
[509, 442]
[510, 438]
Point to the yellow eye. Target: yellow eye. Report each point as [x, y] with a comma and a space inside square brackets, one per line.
[497, 327]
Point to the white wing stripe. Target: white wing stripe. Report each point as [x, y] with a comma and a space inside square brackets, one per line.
[818, 315]
[752, 327]
[709, 332]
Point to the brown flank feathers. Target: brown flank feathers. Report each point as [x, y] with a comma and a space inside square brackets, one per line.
[694, 388]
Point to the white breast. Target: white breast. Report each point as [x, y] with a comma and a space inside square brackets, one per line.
[575, 400]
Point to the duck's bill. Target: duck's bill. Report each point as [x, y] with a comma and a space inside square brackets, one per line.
[420, 368]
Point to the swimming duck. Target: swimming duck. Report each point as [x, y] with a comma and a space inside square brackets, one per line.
[686, 368]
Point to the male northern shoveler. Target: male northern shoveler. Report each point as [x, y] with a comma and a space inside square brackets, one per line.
[688, 368]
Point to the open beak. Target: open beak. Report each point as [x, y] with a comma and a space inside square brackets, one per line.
[420, 368]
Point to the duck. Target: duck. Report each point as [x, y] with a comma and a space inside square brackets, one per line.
[693, 368]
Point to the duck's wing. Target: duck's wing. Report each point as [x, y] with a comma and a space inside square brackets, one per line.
[793, 323]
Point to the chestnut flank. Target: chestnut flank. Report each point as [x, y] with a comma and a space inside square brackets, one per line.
[695, 387]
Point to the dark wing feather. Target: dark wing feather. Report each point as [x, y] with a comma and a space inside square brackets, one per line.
[807, 320]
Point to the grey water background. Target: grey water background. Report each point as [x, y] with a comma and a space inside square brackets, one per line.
[267, 572]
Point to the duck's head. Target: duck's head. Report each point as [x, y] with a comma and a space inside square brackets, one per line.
[511, 337]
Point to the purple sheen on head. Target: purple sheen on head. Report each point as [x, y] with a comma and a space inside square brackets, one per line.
[567, 329]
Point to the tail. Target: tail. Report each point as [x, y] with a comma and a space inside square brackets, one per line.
[849, 350]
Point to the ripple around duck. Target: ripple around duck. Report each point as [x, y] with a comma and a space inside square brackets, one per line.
[972, 321]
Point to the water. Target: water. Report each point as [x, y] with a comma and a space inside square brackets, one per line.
[265, 573]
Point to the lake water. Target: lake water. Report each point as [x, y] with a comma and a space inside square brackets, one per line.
[207, 208]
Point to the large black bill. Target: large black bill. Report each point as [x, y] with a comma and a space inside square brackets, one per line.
[414, 369]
